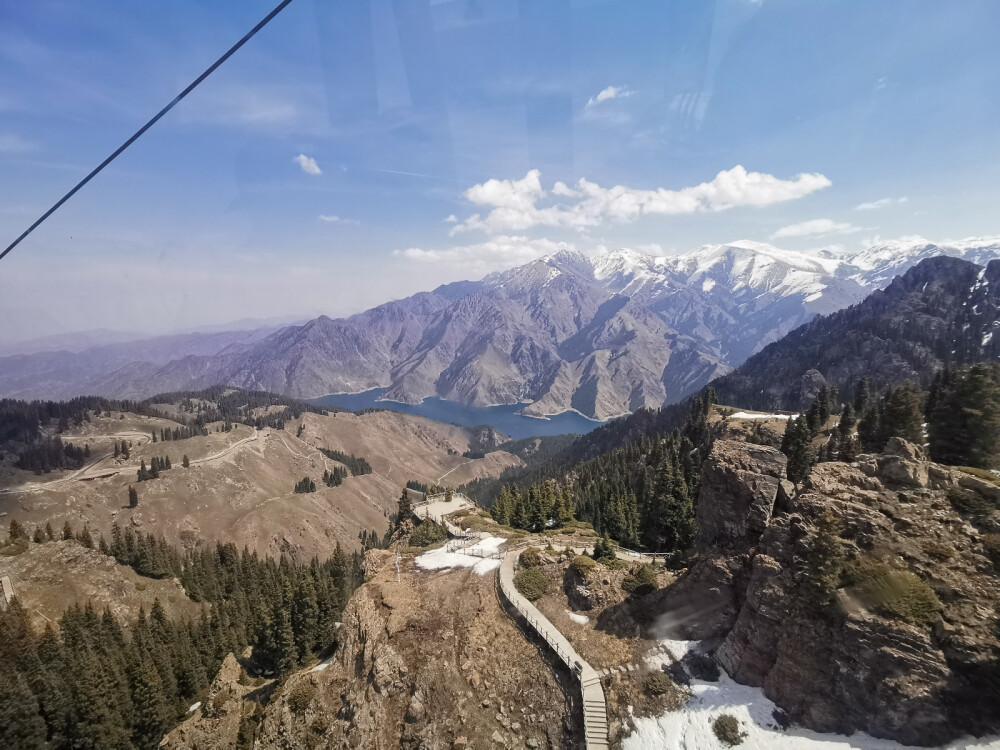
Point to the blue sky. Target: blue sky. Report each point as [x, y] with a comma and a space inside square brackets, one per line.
[409, 113]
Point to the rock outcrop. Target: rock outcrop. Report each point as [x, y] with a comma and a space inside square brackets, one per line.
[857, 664]
[740, 483]
[216, 722]
[430, 662]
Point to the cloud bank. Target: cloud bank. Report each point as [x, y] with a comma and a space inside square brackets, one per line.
[514, 205]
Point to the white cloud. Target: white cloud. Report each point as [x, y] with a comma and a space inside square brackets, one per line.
[308, 164]
[611, 92]
[815, 227]
[494, 254]
[333, 219]
[452, 219]
[880, 203]
[514, 206]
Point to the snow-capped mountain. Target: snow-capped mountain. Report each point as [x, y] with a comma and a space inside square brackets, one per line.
[875, 267]
[603, 336]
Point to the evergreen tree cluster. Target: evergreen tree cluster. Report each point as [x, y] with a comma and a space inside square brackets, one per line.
[357, 466]
[92, 684]
[50, 454]
[304, 486]
[641, 495]
[235, 406]
[182, 432]
[957, 418]
[21, 421]
[547, 505]
[156, 465]
[963, 417]
[335, 477]
[800, 438]
[898, 412]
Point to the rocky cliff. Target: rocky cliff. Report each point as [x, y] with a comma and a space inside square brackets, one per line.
[429, 662]
[907, 645]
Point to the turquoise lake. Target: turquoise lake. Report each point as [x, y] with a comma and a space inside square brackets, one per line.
[503, 418]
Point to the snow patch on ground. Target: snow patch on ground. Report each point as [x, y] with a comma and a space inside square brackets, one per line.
[578, 619]
[690, 728]
[195, 707]
[440, 559]
[322, 665]
[748, 415]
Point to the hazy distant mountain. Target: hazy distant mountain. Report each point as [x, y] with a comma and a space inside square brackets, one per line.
[120, 370]
[603, 336]
[77, 341]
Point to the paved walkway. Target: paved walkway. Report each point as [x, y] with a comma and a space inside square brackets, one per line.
[595, 717]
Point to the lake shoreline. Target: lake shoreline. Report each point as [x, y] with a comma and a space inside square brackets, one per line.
[506, 418]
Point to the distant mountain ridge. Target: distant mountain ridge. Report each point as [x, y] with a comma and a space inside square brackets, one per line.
[603, 336]
[942, 311]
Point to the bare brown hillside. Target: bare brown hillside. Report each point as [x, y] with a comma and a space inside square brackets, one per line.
[48, 578]
[239, 486]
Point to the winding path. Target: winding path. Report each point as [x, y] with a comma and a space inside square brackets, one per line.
[91, 472]
[595, 716]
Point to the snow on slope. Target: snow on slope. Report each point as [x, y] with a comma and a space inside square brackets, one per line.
[690, 727]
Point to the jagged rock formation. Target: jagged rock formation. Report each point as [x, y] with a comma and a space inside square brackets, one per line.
[432, 662]
[858, 664]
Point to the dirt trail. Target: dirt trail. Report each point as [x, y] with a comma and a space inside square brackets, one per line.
[453, 469]
[91, 472]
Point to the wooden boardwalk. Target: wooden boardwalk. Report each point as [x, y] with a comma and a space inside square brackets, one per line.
[595, 717]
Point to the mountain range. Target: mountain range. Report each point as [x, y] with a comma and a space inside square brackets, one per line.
[602, 335]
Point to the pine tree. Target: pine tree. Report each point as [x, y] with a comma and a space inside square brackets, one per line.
[305, 617]
[133, 497]
[862, 396]
[964, 424]
[21, 725]
[824, 562]
[903, 414]
[404, 509]
[796, 446]
[151, 709]
[16, 530]
[847, 420]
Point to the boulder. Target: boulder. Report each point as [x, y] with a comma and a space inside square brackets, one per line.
[740, 482]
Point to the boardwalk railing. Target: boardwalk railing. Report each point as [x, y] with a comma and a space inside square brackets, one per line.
[535, 620]
[595, 717]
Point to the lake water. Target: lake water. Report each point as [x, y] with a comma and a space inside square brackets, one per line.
[503, 418]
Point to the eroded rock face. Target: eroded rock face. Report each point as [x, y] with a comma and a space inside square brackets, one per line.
[430, 662]
[844, 668]
[740, 482]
